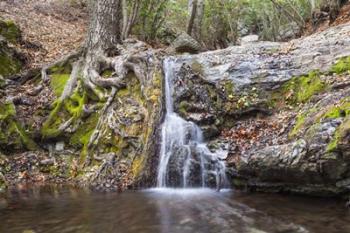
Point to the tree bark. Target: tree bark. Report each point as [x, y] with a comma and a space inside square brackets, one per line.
[194, 28]
[193, 12]
[105, 25]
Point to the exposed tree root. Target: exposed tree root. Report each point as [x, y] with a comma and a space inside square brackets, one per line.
[108, 162]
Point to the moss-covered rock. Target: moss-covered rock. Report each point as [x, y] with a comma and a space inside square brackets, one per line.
[10, 31]
[341, 66]
[12, 134]
[9, 60]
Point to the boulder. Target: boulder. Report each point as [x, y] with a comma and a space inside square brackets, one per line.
[184, 43]
[249, 39]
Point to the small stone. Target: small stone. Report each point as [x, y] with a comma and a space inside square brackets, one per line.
[59, 146]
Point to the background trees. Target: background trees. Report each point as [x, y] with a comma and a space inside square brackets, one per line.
[220, 23]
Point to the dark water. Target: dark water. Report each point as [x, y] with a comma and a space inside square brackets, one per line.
[64, 210]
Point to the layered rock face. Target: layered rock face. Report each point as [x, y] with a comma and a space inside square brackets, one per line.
[281, 110]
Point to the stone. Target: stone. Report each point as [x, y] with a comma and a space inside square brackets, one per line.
[249, 39]
[184, 43]
[308, 154]
[59, 146]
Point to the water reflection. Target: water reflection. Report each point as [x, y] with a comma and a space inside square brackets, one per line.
[59, 209]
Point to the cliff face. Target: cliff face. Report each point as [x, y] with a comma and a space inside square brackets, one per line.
[281, 110]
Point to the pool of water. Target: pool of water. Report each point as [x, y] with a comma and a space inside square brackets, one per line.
[63, 210]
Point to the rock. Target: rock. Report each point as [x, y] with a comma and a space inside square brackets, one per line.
[249, 39]
[184, 43]
[47, 162]
[304, 147]
[10, 60]
[289, 31]
[10, 31]
[59, 146]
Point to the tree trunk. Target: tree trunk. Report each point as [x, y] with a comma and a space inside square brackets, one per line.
[193, 12]
[197, 29]
[194, 28]
[105, 26]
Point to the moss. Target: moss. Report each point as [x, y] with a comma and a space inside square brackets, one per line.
[59, 76]
[107, 73]
[183, 107]
[10, 31]
[82, 136]
[229, 88]
[58, 82]
[50, 127]
[71, 107]
[341, 66]
[9, 65]
[2, 82]
[197, 67]
[137, 166]
[342, 132]
[298, 90]
[298, 125]
[341, 110]
[12, 133]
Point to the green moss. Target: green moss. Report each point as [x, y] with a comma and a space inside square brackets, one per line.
[342, 132]
[8, 65]
[7, 110]
[301, 89]
[12, 133]
[342, 110]
[107, 73]
[229, 88]
[59, 76]
[50, 127]
[10, 31]
[82, 136]
[183, 107]
[298, 125]
[71, 107]
[58, 82]
[341, 66]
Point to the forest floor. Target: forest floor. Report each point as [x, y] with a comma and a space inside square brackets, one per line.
[50, 28]
[343, 17]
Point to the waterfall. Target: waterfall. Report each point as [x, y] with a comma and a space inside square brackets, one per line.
[185, 160]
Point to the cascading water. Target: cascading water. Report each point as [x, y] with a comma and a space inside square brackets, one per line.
[185, 160]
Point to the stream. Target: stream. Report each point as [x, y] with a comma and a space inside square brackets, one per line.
[64, 210]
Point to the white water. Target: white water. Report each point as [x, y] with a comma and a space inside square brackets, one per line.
[185, 160]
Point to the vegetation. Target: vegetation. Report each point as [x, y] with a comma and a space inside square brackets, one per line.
[218, 24]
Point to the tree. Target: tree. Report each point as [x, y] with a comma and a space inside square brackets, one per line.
[98, 70]
[105, 25]
[196, 9]
[130, 16]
